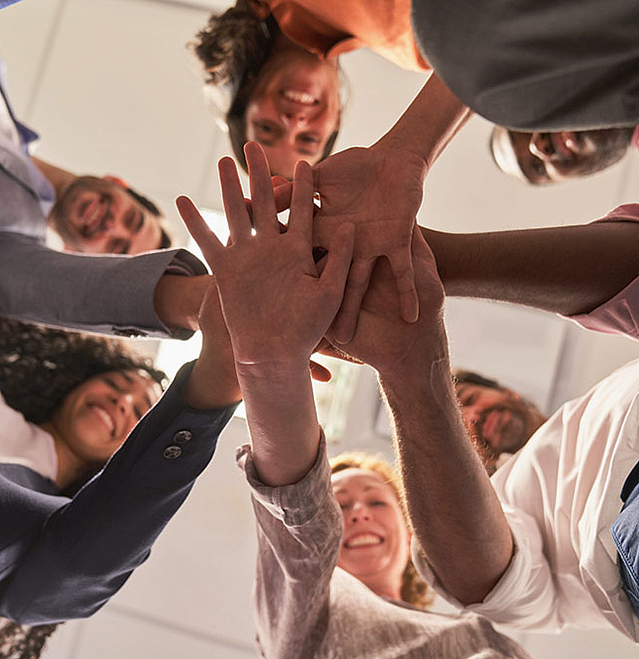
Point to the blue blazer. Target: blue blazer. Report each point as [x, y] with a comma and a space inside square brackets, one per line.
[63, 558]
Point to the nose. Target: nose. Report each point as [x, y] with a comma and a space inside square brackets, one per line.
[540, 145]
[297, 118]
[359, 513]
[126, 402]
[122, 401]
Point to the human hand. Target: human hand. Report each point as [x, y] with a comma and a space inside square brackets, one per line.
[275, 304]
[383, 339]
[379, 189]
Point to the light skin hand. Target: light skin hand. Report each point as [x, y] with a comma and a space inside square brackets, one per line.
[380, 190]
[276, 307]
[297, 306]
[213, 382]
[383, 339]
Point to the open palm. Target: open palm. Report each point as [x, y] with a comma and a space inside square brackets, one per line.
[379, 189]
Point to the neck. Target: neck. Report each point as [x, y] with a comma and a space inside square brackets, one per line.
[70, 467]
[384, 586]
[58, 177]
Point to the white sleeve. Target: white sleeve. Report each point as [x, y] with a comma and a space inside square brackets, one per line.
[525, 595]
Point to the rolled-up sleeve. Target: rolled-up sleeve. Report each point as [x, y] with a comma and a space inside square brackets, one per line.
[620, 314]
[524, 596]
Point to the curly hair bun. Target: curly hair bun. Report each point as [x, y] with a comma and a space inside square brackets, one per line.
[232, 44]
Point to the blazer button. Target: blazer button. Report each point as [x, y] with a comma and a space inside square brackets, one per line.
[172, 452]
[182, 436]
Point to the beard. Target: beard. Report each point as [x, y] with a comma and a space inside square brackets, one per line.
[504, 428]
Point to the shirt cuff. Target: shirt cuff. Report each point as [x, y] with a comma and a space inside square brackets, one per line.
[620, 314]
[294, 504]
[512, 597]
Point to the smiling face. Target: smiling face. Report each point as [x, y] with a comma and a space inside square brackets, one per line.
[498, 420]
[97, 216]
[97, 416]
[294, 109]
[376, 543]
[543, 157]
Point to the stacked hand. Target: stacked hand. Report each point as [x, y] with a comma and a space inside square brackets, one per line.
[379, 190]
[383, 339]
[275, 304]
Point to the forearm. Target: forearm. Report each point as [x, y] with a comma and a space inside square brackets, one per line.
[430, 122]
[280, 411]
[213, 381]
[455, 513]
[568, 270]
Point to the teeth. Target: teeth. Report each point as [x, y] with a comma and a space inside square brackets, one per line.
[299, 97]
[364, 540]
[105, 417]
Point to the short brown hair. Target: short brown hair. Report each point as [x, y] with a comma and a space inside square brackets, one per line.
[414, 590]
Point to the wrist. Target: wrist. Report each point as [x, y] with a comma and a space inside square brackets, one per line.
[177, 300]
[429, 123]
[274, 374]
[412, 372]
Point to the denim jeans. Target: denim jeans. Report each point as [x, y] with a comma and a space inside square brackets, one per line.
[625, 533]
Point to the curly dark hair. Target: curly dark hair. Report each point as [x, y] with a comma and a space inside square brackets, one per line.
[39, 366]
[23, 641]
[414, 589]
[232, 48]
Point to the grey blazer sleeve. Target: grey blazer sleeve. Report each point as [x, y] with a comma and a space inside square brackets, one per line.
[64, 558]
[106, 294]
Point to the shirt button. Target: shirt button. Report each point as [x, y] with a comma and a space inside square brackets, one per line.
[182, 436]
[172, 452]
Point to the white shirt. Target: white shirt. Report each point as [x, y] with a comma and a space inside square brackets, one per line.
[560, 494]
[23, 443]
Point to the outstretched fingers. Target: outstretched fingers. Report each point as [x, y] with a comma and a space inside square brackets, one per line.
[237, 215]
[335, 273]
[264, 211]
[203, 236]
[301, 217]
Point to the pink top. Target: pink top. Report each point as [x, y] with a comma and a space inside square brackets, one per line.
[620, 314]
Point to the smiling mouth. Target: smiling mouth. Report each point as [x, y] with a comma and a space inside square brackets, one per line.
[303, 98]
[364, 540]
[105, 417]
[92, 214]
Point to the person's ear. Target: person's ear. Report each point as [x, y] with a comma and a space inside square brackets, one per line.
[115, 179]
[513, 394]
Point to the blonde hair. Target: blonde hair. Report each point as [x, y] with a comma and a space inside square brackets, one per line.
[414, 589]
